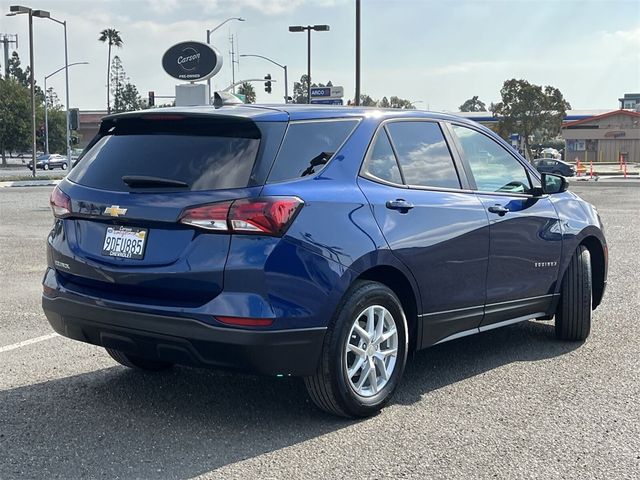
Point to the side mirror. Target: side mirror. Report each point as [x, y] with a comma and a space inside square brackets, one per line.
[552, 183]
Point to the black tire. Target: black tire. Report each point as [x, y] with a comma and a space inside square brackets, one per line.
[45, 166]
[573, 316]
[330, 388]
[64, 166]
[138, 363]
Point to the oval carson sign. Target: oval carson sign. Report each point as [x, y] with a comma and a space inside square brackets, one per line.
[192, 61]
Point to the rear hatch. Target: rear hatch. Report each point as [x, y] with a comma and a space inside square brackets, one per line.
[123, 238]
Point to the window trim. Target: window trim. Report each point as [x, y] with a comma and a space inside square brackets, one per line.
[457, 165]
[532, 174]
[358, 121]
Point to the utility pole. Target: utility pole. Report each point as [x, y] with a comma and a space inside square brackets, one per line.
[232, 54]
[6, 39]
[357, 99]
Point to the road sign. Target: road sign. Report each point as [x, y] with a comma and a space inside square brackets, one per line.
[327, 92]
[327, 101]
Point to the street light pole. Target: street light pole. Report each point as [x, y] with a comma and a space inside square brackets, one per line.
[284, 67]
[45, 14]
[17, 10]
[209, 32]
[357, 99]
[46, 122]
[308, 28]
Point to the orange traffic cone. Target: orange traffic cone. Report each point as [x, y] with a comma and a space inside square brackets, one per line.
[591, 169]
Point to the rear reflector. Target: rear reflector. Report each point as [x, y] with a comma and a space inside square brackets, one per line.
[262, 216]
[60, 203]
[246, 322]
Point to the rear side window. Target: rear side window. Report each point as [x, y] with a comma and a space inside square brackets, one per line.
[308, 146]
[423, 154]
[203, 153]
[382, 162]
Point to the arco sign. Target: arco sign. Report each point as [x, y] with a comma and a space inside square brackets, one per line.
[192, 61]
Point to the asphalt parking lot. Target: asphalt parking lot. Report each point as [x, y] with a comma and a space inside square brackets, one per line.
[510, 403]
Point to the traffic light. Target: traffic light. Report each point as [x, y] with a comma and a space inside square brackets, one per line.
[152, 99]
[74, 118]
[267, 83]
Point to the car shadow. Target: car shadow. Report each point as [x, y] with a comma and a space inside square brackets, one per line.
[117, 422]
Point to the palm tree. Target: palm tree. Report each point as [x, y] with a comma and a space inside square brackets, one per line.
[112, 36]
[248, 91]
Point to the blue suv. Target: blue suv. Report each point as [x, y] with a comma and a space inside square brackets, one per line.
[325, 243]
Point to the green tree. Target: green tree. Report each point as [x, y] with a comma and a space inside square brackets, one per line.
[473, 105]
[397, 102]
[367, 101]
[384, 103]
[301, 90]
[248, 91]
[528, 109]
[111, 36]
[15, 114]
[125, 95]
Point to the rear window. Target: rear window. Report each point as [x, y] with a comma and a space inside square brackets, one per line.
[203, 153]
[308, 146]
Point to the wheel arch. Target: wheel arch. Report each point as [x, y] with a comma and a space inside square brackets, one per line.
[598, 254]
[397, 281]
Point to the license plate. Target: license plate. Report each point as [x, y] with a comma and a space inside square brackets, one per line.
[125, 242]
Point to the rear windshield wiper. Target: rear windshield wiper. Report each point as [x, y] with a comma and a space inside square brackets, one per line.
[320, 159]
[144, 181]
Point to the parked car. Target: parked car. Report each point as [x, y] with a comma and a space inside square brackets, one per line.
[49, 161]
[558, 167]
[321, 242]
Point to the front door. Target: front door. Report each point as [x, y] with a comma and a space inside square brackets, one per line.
[438, 231]
[526, 240]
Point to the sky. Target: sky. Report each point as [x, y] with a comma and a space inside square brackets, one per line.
[436, 53]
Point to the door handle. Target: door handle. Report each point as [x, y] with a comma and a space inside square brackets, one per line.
[499, 209]
[399, 204]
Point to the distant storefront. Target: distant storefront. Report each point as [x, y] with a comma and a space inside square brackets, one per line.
[609, 137]
[88, 125]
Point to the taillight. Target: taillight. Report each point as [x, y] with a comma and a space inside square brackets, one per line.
[60, 203]
[263, 216]
[210, 217]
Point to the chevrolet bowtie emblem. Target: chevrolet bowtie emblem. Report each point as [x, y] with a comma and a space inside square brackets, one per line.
[115, 210]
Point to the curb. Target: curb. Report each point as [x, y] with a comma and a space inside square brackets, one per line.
[30, 183]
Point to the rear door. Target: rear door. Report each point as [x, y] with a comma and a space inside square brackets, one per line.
[526, 240]
[124, 240]
[436, 228]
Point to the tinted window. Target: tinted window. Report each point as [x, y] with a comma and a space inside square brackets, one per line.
[308, 146]
[493, 168]
[423, 154]
[205, 154]
[382, 162]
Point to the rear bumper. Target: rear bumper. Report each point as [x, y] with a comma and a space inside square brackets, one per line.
[186, 341]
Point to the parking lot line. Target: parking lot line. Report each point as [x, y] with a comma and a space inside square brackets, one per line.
[8, 348]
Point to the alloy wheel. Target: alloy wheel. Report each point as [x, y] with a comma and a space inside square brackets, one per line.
[371, 351]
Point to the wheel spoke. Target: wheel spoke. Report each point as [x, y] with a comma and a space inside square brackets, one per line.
[361, 332]
[363, 376]
[371, 318]
[380, 324]
[382, 354]
[373, 378]
[382, 367]
[358, 351]
[387, 335]
[356, 366]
